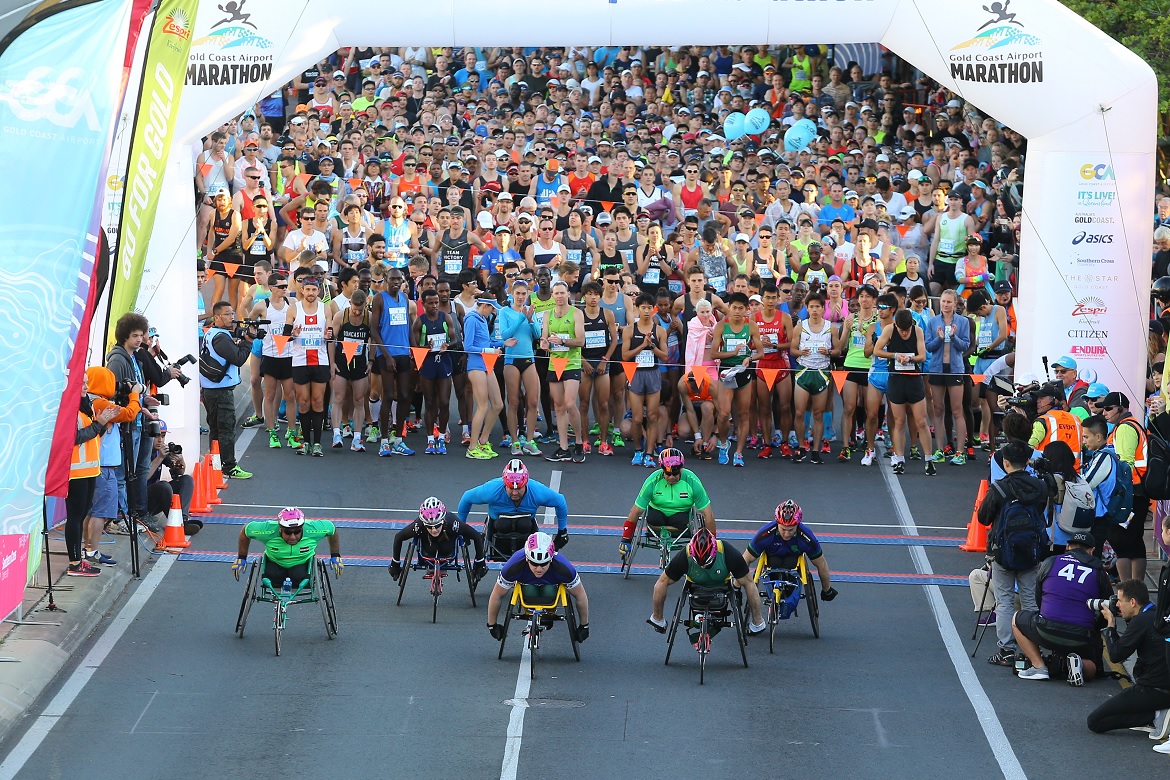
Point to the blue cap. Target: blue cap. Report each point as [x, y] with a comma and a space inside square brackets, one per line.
[1066, 362]
[162, 426]
[492, 301]
[1097, 390]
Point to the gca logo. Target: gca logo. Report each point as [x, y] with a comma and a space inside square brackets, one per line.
[1092, 238]
[1100, 172]
[45, 96]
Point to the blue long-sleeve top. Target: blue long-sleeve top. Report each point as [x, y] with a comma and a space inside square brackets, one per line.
[496, 497]
[960, 341]
[514, 325]
[477, 337]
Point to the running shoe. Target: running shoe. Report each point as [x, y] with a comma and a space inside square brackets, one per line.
[235, 472]
[400, 448]
[606, 449]
[528, 446]
[337, 442]
[347, 431]
[825, 447]
[724, 457]
[559, 456]
[777, 439]
[317, 451]
[753, 442]
[970, 452]
[939, 456]
[487, 447]
[649, 462]
[984, 443]
[273, 440]
[372, 434]
[81, 569]
[430, 450]
[786, 451]
[477, 453]
[867, 458]
[930, 469]
[586, 447]
[816, 458]
[618, 441]
[798, 455]
[441, 446]
[948, 451]
[737, 460]
[385, 450]
[94, 558]
[765, 453]
[578, 453]
[1034, 673]
[900, 467]
[1076, 671]
[506, 443]
[959, 460]
[293, 440]
[465, 438]
[595, 430]
[915, 454]
[516, 448]
[255, 421]
[792, 442]
[637, 459]
[357, 445]
[844, 455]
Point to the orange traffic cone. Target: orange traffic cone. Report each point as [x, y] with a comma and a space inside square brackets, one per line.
[209, 488]
[217, 482]
[976, 531]
[199, 505]
[173, 536]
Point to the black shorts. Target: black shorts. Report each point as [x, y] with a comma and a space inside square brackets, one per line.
[305, 375]
[279, 368]
[944, 272]
[905, 389]
[615, 366]
[1060, 637]
[679, 521]
[459, 364]
[521, 363]
[568, 375]
[742, 380]
[947, 380]
[401, 363]
[1130, 542]
[859, 377]
[353, 372]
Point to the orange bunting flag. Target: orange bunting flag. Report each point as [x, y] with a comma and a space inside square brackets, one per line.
[355, 183]
[607, 205]
[769, 376]
[977, 378]
[420, 354]
[558, 365]
[555, 202]
[204, 169]
[759, 219]
[839, 378]
[230, 269]
[489, 360]
[350, 349]
[630, 367]
[303, 178]
[281, 342]
[902, 229]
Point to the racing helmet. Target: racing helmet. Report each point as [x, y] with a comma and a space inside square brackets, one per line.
[432, 512]
[789, 513]
[539, 549]
[290, 517]
[1160, 289]
[515, 473]
[702, 548]
[671, 461]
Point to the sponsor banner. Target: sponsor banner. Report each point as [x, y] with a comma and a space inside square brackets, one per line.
[60, 81]
[158, 108]
[13, 571]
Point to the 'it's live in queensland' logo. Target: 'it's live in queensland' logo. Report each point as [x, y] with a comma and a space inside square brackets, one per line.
[1000, 53]
[233, 52]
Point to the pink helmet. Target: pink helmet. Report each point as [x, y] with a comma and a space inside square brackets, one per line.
[515, 473]
[432, 512]
[290, 517]
[789, 513]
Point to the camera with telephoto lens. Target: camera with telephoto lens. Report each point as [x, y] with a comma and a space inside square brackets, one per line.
[1025, 401]
[243, 326]
[165, 362]
[122, 391]
[1099, 604]
[151, 428]
[171, 460]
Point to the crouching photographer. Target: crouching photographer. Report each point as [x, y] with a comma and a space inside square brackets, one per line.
[161, 492]
[225, 348]
[1064, 622]
[1143, 704]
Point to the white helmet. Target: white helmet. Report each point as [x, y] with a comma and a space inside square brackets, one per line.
[539, 549]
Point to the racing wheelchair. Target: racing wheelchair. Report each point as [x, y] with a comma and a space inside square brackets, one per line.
[540, 606]
[436, 570]
[663, 538]
[708, 610]
[777, 585]
[317, 588]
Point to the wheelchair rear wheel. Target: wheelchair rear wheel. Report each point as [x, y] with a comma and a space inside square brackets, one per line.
[325, 596]
[407, 565]
[249, 596]
[674, 623]
[507, 620]
[571, 622]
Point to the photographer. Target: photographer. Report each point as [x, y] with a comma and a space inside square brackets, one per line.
[1013, 570]
[1052, 421]
[1137, 705]
[1064, 622]
[129, 333]
[160, 492]
[224, 351]
[156, 366]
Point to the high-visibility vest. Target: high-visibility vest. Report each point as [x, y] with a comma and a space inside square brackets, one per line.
[1065, 427]
[86, 461]
[1139, 464]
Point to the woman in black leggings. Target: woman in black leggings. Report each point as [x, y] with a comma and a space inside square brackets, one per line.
[83, 473]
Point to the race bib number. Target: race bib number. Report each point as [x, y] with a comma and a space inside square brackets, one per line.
[652, 276]
[771, 342]
[437, 341]
[398, 316]
[355, 256]
[719, 283]
[573, 255]
[985, 338]
[675, 286]
[646, 359]
[538, 318]
[904, 366]
[733, 344]
[946, 246]
[452, 264]
[628, 254]
[764, 271]
[557, 348]
[258, 248]
[311, 342]
[395, 260]
[595, 339]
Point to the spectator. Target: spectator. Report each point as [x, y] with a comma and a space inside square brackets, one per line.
[1098, 467]
[84, 470]
[219, 373]
[160, 492]
[1127, 437]
[103, 388]
[129, 333]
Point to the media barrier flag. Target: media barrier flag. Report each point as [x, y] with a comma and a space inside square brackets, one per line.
[158, 106]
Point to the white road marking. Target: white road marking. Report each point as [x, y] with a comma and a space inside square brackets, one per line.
[1009, 763]
[519, 700]
[77, 681]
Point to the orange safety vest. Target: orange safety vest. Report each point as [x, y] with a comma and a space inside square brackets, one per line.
[1139, 464]
[86, 461]
[1065, 427]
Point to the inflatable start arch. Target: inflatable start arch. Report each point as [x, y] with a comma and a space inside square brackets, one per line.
[1086, 105]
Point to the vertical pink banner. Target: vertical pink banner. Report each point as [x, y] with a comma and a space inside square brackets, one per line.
[13, 568]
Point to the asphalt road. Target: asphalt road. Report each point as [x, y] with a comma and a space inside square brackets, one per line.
[878, 694]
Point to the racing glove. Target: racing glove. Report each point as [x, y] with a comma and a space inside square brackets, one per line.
[395, 568]
[337, 564]
[497, 631]
[829, 595]
[582, 632]
[561, 539]
[624, 548]
[239, 566]
[479, 568]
